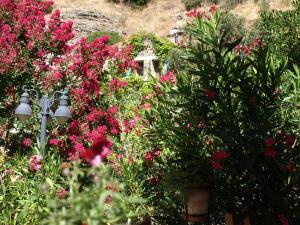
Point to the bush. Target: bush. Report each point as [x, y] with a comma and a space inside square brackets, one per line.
[229, 119]
[114, 37]
[137, 2]
[133, 3]
[280, 30]
[191, 4]
[233, 24]
[162, 46]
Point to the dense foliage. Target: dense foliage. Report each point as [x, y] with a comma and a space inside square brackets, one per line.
[114, 37]
[281, 31]
[230, 122]
[133, 3]
[191, 4]
[162, 46]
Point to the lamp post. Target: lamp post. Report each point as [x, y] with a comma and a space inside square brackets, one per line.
[62, 114]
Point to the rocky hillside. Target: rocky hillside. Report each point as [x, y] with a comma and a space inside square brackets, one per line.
[159, 16]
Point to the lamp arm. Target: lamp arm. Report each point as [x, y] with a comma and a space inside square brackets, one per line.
[64, 92]
[25, 89]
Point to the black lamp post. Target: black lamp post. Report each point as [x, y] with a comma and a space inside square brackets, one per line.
[62, 114]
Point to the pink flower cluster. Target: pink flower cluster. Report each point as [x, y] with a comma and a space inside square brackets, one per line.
[36, 163]
[202, 14]
[129, 125]
[115, 84]
[152, 155]
[27, 142]
[169, 77]
[247, 49]
[99, 151]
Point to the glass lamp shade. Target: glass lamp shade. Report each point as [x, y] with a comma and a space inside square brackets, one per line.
[62, 114]
[23, 112]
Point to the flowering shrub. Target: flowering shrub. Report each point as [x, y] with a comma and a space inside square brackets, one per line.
[41, 55]
[228, 121]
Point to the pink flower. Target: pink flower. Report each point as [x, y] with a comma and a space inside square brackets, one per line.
[270, 152]
[54, 141]
[213, 9]
[113, 109]
[192, 13]
[99, 151]
[168, 78]
[8, 172]
[35, 163]
[62, 193]
[146, 106]
[283, 219]
[257, 42]
[115, 84]
[79, 147]
[129, 125]
[27, 142]
[239, 48]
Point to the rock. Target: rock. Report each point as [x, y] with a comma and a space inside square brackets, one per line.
[88, 21]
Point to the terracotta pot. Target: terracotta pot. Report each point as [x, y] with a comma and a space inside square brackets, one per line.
[244, 219]
[196, 204]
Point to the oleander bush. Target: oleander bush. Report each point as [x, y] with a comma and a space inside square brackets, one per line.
[230, 119]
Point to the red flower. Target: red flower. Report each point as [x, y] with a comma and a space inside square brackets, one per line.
[283, 219]
[270, 152]
[270, 142]
[213, 9]
[209, 93]
[149, 157]
[108, 199]
[155, 179]
[202, 124]
[220, 155]
[289, 140]
[215, 165]
[290, 167]
[27, 142]
[99, 151]
[248, 50]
